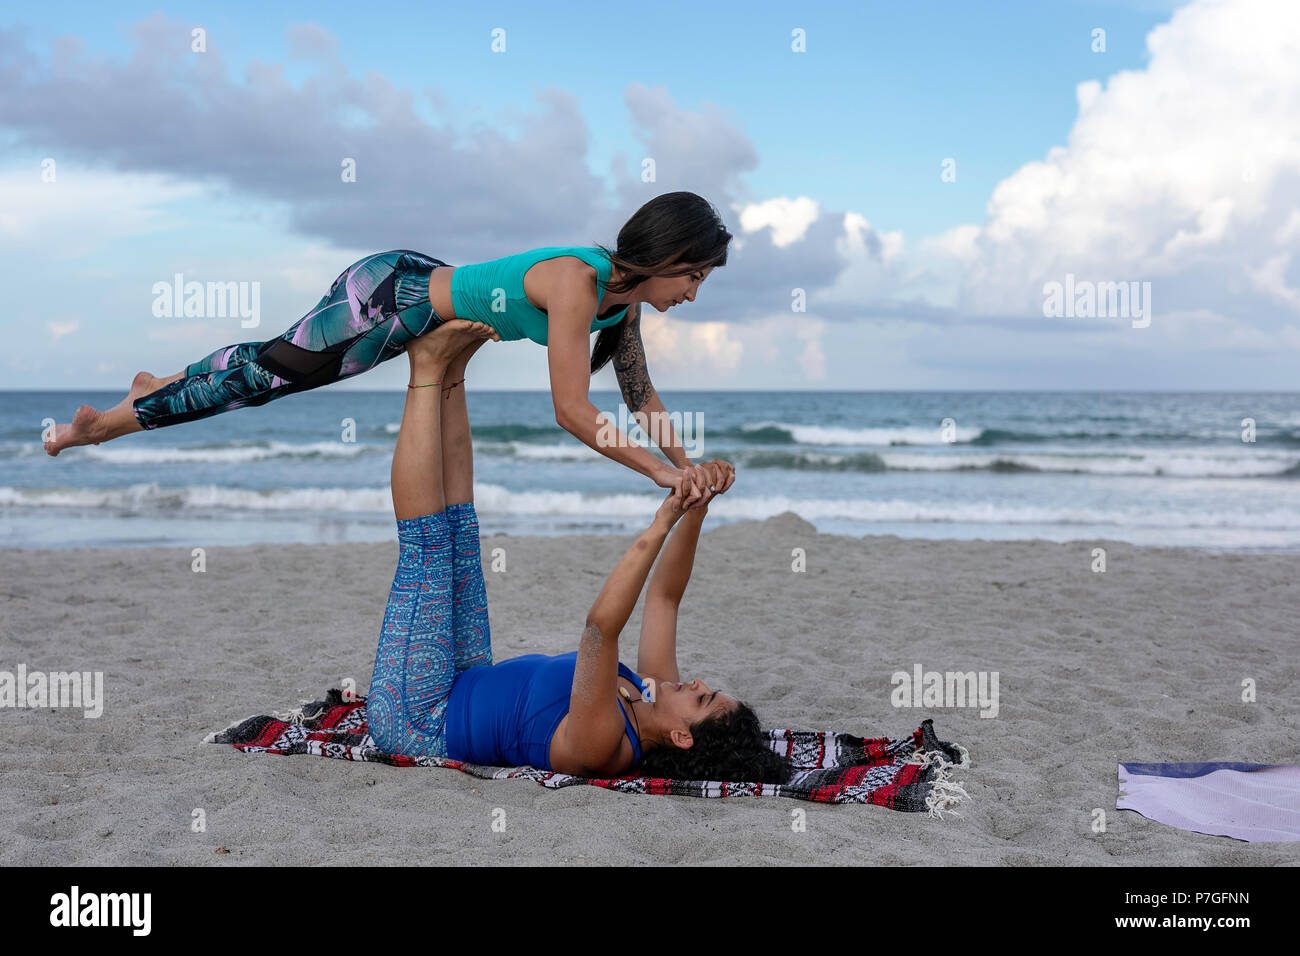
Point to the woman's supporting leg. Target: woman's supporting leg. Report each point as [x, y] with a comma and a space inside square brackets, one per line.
[374, 308]
[473, 633]
[469, 592]
[415, 662]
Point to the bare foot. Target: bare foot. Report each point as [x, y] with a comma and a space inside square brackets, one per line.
[90, 426]
[143, 384]
[458, 364]
[83, 430]
[441, 346]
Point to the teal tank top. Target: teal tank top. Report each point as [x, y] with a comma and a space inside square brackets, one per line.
[473, 292]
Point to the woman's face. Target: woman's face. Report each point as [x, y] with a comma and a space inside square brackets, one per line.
[664, 292]
[690, 703]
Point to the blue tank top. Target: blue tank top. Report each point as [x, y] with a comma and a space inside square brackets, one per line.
[476, 288]
[505, 715]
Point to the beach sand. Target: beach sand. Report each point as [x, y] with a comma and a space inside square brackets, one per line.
[1143, 662]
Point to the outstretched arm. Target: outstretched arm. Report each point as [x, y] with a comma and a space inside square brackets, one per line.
[639, 395]
[569, 310]
[657, 652]
[594, 728]
[614, 604]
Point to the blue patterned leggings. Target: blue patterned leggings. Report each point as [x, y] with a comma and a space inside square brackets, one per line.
[435, 627]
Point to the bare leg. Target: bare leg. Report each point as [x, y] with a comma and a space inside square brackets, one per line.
[417, 480]
[457, 446]
[90, 427]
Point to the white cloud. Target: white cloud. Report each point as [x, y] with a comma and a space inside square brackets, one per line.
[788, 218]
[712, 340]
[1203, 330]
[84, 208]
[957, 243]
[781, 351]
[1290, 229]
[1271, 277]
[660, 335]
[1182, 173]
[875, 269]
[812, 360]
[857, 235]
[705, 349]
[60, 329]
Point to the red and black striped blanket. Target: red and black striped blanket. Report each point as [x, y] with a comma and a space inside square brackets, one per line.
[907, 773]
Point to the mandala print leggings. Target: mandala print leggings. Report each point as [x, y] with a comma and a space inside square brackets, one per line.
[372, 310]
[435, 627]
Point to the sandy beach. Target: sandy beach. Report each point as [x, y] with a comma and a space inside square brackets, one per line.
[1142, 662]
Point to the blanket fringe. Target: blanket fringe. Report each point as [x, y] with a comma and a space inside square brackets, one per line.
[945, 793]
[212, 737]
[298, 714]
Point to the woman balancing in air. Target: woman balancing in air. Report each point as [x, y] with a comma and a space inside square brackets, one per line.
[435, 690]
[556, 296]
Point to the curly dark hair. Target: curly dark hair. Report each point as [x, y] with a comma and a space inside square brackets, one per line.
[731, 747]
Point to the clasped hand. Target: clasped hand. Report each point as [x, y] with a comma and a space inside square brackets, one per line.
[695, 485]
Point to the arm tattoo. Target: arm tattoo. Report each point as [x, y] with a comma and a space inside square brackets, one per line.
[629, 364]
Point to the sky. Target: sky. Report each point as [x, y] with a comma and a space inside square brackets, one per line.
[918, 175]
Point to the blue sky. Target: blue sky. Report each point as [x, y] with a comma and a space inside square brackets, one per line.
[826, 164]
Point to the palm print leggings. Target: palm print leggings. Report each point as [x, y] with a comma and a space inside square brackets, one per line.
[375, 306]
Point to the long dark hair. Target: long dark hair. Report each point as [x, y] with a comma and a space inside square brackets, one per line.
[731, 746]
[672, 235]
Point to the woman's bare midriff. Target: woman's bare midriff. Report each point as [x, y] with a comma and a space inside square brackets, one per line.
[440, 292]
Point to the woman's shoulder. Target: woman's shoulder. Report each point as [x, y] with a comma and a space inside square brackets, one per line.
[567, 746]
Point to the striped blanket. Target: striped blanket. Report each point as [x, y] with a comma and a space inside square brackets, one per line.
[908, 773]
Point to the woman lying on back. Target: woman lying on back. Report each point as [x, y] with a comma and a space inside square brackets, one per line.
[435, 689]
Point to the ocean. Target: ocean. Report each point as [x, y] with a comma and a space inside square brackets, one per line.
[1149, 468]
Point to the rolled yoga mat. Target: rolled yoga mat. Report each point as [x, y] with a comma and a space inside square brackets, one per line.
[1255, 802]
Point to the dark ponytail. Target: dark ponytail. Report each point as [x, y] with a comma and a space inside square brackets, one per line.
[672, 235]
